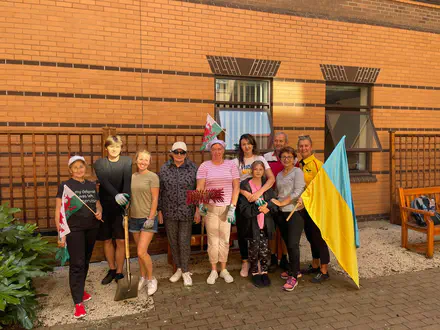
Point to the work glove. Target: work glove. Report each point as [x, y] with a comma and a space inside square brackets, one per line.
[260, 202]
[122, 199]
[203, 210]
[62, 255]
[231, 214]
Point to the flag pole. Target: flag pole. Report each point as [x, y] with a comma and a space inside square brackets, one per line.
[223, 130]
[85, 204]
[293, 211]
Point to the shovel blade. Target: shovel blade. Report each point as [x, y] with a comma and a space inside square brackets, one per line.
[127, 288]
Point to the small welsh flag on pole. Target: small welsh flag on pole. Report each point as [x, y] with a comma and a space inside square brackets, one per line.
[70, 203]
[212, 129]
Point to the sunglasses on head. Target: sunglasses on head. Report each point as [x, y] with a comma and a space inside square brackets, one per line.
[177, 152]
[304, 137]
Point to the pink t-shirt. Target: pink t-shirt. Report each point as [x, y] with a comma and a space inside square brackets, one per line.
[219, 176]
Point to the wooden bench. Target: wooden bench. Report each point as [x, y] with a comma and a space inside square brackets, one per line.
[408, 221]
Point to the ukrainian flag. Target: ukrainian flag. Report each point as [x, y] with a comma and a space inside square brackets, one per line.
[329, 203]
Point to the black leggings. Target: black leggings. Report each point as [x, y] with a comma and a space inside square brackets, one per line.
[259, 251]
[242, 228]
[317, 244]
[291, 233]
[80, 246]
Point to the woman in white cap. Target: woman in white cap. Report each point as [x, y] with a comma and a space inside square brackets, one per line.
[177, 176]
[83, 225]
[213, 174]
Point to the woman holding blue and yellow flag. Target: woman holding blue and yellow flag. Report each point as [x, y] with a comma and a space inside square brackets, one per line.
[290, 185]
[320, 253]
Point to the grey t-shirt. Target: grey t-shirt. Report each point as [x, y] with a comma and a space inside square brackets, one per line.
[292, 184]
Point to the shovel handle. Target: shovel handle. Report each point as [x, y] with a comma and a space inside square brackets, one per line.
[127, 243]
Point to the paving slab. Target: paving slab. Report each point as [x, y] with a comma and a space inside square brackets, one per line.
[335, 304]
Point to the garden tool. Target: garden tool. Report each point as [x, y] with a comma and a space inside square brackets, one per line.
[293, 211]
[128, 286]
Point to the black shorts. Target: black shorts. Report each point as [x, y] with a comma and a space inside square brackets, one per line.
[112, 214]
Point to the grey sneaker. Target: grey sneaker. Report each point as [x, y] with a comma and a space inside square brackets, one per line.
[213, 276]
[152, 286]
[187, 280]
[176, 276]
[226, 276]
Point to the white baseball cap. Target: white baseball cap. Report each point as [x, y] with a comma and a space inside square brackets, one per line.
[179, 145]
[73, 159]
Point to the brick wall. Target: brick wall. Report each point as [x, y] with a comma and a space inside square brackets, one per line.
[421, 15]
[76, 65]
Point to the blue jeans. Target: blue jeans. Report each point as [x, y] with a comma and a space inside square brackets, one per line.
[136, 225]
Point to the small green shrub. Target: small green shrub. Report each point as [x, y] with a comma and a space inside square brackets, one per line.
[24, 255]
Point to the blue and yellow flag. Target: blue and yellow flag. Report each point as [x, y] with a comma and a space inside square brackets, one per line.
[329, 203]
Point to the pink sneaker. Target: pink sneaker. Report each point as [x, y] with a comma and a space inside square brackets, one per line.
[285, 275]
[291, 284]
[86, 297]
[80, 311]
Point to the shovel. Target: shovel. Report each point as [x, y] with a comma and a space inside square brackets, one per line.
[128, 286]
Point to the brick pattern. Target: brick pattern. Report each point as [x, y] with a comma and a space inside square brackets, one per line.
[387, 13]
[353, 74]
[104, 68]
[233, 66]
[389, 302]
[47, 51]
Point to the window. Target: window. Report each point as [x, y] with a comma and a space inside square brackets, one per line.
[243, 106]
[348, 113]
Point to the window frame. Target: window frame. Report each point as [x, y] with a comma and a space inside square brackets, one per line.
[332, 108]
[253, 106]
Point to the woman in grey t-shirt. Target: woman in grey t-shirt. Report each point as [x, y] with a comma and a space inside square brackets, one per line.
[290, 185]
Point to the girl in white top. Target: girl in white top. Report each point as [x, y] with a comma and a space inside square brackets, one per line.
[248, 153]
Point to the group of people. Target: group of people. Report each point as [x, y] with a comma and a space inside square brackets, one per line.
[259, 193]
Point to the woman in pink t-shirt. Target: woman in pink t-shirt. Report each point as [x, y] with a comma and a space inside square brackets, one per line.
[219, 173]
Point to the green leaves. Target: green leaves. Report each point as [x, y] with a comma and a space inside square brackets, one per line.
[24, 255]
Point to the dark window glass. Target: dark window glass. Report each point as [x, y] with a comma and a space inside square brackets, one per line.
[348, 113]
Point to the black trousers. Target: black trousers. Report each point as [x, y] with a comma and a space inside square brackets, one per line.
[291, 233]
[179, 237]
[317, 244]
[259, 251]
[242, 228]
[80, 246]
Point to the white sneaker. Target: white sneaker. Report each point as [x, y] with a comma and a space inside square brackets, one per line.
[142, 283]
[212, 277]
[176, 276]
[244, 272]
[152, 286]
[225, 274]
[187, 280]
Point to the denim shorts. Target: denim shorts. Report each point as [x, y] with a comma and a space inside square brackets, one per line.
[136, 225]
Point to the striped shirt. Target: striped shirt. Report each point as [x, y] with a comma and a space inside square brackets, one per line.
[219, 176]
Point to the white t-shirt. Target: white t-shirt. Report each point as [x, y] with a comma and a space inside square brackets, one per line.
[245, 170]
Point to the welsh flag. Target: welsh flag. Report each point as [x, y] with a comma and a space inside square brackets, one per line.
[70, 203]
[212, 129]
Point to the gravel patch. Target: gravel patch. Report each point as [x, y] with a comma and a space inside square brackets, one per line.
[380, 254]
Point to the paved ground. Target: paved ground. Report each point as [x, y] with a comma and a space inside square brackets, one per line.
[403, 301]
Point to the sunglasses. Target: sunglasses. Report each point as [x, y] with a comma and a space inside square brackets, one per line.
[176, 152]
